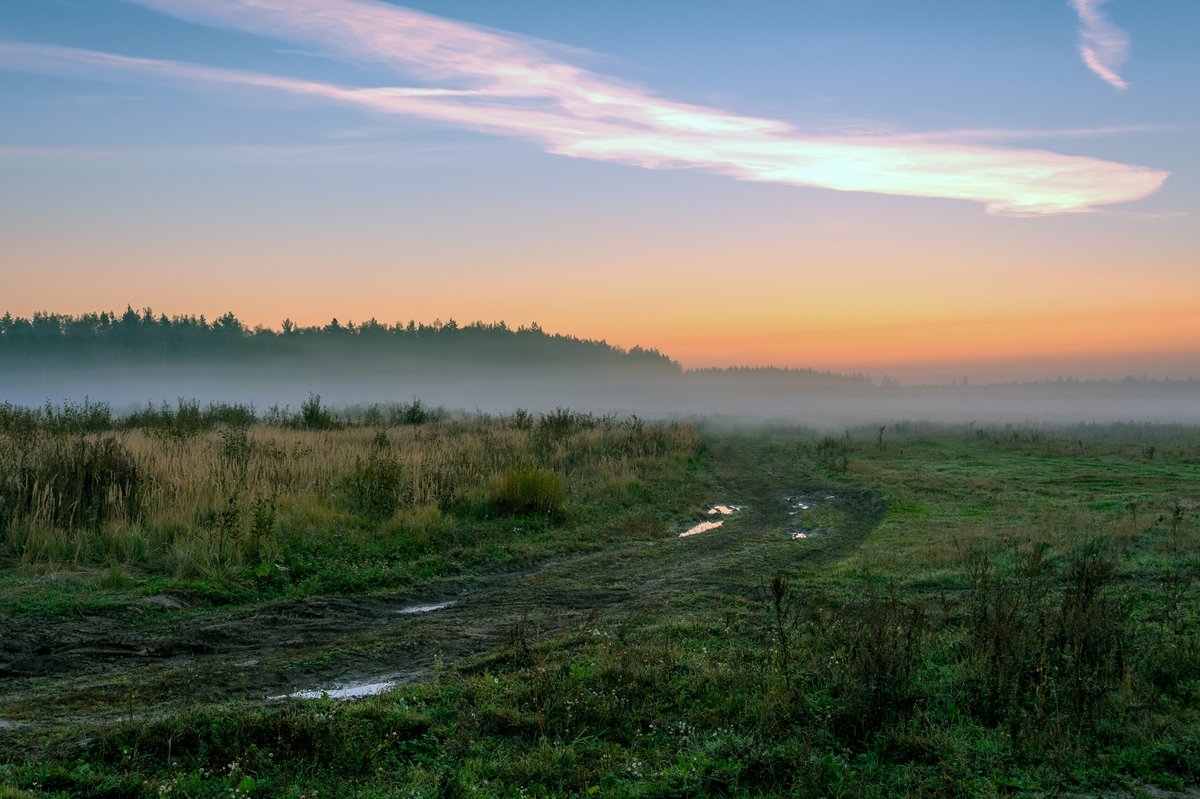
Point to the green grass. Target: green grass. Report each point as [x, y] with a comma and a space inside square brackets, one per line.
[993, 611]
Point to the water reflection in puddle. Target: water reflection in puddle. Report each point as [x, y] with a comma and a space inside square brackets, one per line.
[715, 510]
[797, 504]
[428, 608]
[356, 691]
[702, 527]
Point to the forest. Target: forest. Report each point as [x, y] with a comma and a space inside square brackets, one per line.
[141, 338]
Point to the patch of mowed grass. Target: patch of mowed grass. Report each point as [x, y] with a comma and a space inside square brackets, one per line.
[948, 486]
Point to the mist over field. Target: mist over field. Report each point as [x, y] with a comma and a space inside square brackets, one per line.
[854, 451]
[133, 361]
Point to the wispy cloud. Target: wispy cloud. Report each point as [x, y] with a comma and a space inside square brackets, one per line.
[1102, 45]
[509, 85]
[255, 155]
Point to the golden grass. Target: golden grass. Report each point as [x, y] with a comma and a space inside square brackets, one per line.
[213, 502]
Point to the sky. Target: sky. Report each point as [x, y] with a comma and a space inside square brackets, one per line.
[920, 189]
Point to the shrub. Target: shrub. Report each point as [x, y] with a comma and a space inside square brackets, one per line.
[315, 416]
[90, 417]
[528, 490]
[236, 448]
[187, 419]
[17, 421]
[881, 646]
[72, 483]
[561, 422]
[373, 486]
[415, 412]
[1046, 648]
[833, 454]
[231, 414]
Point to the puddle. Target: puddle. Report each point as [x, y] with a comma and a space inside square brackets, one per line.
[797, 504]
[702, 527]
[715, 510]
[428, 608]
[165, 601]
[355, 691]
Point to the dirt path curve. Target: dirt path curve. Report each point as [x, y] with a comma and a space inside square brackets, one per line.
[112, 666]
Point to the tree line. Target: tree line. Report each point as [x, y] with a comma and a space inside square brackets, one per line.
[142, 337]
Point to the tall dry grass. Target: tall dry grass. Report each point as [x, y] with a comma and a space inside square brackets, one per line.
[217, 500]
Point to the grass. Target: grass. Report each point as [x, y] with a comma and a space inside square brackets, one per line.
[988, 611]
[258, 507]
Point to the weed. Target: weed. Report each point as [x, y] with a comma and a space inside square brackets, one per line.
[74, 483]
[780, 605]
[415, 412]
[879, 648]
[833, 454]
[522, 490]
[236, 449]
[1047, 651]
[375, 486]
[315, 416]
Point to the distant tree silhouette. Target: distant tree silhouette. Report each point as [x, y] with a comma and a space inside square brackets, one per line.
[142, 339]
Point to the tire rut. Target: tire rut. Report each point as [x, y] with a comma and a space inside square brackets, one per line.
[176, 656]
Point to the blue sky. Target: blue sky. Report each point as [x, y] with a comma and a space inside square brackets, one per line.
[888, 165]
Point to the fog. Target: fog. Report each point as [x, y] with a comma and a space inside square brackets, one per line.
[813, 399]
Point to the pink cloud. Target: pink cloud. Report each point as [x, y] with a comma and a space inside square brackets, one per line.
[507, 85]
[1102, 45]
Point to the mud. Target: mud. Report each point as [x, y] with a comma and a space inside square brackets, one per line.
[428, 608]
[356, 691]
[168, 650]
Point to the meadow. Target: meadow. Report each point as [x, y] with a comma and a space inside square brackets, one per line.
[901, 609]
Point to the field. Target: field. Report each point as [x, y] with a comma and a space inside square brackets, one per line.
[914, 609]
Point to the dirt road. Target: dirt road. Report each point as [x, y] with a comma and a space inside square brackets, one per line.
[161, 652]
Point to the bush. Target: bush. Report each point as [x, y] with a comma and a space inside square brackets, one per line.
[415, 412]
[373, 487]
[561, 423]
[187, 419]
[523, 490]
[1046, 647]
[880, 646]
[315, 416]
[90, 417]
[17, 421]
[72, 483]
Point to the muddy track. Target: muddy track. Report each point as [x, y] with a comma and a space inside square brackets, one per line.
[162, 653]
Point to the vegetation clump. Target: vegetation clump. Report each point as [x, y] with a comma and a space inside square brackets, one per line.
[520, 490]
[73, 482]
[213, 493]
